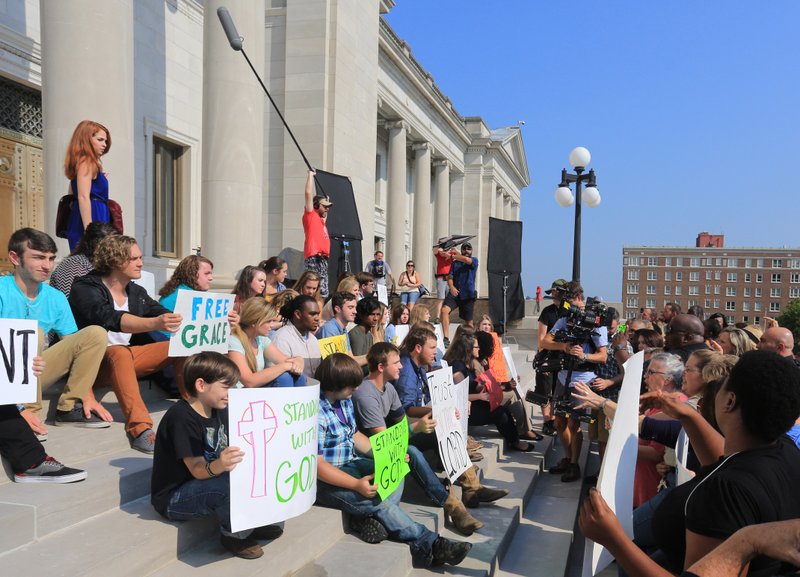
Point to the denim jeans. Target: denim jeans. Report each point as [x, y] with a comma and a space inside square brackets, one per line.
[643, 535]
[288, 380]
[397, 523]
[426, 478]
[198, 499]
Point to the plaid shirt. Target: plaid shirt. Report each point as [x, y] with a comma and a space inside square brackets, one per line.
[609, 370]
[335, 438]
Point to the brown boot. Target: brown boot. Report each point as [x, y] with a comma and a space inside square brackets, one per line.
[473, 493]
[464, 523]
[487, 495]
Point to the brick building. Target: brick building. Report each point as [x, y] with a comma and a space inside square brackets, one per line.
[745, 284]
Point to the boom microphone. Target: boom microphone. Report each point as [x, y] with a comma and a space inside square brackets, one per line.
[230, 28]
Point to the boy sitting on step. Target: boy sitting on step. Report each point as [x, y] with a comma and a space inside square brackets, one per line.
[192, 457]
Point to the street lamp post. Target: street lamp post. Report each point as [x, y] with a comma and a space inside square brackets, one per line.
[579, 158]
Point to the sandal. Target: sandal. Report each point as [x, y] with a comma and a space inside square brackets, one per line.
[529, 447]
[532, 436]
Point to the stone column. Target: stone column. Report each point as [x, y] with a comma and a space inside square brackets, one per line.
[421, 246]
[498, 203]
[442, 206]
[87, 61]
[507, 212]
[233, 140]
[396, 201]
[516, 211]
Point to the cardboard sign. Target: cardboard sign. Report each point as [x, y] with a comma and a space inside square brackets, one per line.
[389, 450]
[462, 402]
[277, 430]
[400, 334]
[682, 472]
[512, 373]
[205, 324]
[383, 294]
[330, 345]
[19, 343]
[615, 481]
[449, 431]
[439, 337]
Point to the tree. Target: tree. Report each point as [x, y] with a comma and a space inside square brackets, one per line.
[791, 320]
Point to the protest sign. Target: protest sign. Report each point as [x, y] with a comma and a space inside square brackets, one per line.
[19, 342]
[439, 337]
[205, 323]
[330, 345]
[462, 402]
[389, 448]
[615, 481]
[383, 295]
[277, 430]
[682, 472]
[513, 374]
[449, 432]
[400, 333]
[491, 386]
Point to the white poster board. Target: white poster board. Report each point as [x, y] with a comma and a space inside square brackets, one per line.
[383, 294]
[449, 432]
[462, 402]
[682, 472]
[615, 481]
[400, 334]
[512, 373]
[19, 343]
[205, 324]
[277, 430]
[439, 337]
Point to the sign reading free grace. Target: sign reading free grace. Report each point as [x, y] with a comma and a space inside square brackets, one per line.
[205, 323]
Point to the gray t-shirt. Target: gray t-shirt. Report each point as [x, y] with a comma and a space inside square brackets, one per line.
[376, 408]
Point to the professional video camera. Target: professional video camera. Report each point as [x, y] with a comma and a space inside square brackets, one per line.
[582, 324]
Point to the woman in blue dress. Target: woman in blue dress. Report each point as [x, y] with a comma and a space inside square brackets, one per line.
[88, 183]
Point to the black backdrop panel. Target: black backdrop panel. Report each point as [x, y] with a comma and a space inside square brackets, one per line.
[505, 246]
[516, 297]
[342, 219]
[336, 262]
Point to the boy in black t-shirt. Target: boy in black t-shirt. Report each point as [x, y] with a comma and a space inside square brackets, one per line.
[192, 457]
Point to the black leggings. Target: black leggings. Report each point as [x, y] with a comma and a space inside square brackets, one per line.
[18, 444]
[501, 418]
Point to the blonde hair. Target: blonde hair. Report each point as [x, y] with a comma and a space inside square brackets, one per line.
[253, 313]
[347, 285]
[417, 314]
[113, 252]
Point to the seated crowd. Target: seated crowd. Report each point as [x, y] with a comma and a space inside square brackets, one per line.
[106, 330]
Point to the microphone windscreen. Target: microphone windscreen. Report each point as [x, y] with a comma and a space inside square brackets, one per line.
[229, 27]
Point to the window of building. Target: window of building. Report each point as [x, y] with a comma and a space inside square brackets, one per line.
[632, 302]
[794, 292]
[707, 303]
[650, 303]
[730, 319]
[652, 261]
[652, 275]
[777, 263]
[707, 289]
[756, 321]
[692, 303]
[651, 289]
[668, 275]
[730, 305]
[709, 274]
[678, 261]
[730, 291]
[748, 263]
[746, 306]
[633, 274]
[731, 276]
[706, 262]
[748, 277]
[745, 319]
[678, 290]
[667, 289]
[633, 288]
[758, 292]
[718, 261]
[167, 187]
[759, 263]
[717, 275]
[794, 263]
[733, 262]
[678, 276]
[746, 291]
[668, 261]
[775, 277]
[694, 276]
[794, 277]
[694, 261]
[694, 290]
[759, 277]
[774, 307]
[633, 260]
[775, 292]
[717, 289]
[716, 304]
[757, 307]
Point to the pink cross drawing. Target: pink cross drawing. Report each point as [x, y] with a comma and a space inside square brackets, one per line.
[257, 427]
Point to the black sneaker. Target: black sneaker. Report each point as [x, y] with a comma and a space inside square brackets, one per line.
[50, 471]
[370, 530]
[560, 467]
[76, 418]
[267, 532]
[549, 429]
[573, 473]
[448, 551]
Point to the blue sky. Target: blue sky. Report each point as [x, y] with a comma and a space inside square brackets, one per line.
[690, 111]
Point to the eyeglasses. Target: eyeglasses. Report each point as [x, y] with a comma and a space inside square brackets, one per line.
[652, 372]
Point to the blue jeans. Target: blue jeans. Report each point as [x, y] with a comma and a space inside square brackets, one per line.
[198, 499]
[409, 298]
[397, 523]
[288, 380]
[426, 478]
[643, 535]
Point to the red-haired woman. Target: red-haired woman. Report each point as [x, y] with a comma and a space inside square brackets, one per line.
[88, 183]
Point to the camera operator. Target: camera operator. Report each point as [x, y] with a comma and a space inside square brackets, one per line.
[545, 374]
[588, 352]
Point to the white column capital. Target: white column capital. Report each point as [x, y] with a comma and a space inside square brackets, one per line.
[422, 147]
[398, 124]
[442, 163]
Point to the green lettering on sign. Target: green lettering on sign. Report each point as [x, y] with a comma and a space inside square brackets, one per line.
[389, 450]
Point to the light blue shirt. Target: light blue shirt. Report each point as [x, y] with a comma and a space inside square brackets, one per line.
[50, 307]
[599, 340]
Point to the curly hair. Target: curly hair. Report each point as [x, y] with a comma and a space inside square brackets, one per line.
[185, 273]
[80, 147]
[113, 252]
[280, 298]
[767, 389]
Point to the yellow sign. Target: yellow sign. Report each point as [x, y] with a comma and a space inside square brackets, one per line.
[330, 345]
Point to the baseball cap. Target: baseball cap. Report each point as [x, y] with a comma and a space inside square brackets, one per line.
[466, 245]
[558, 285]
[322, 200]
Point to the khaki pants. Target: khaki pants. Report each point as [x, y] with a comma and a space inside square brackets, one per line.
[78, 356]
[517, 408]
[123, 366]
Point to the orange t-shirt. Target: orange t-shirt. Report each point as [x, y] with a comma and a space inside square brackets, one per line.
[317, 240]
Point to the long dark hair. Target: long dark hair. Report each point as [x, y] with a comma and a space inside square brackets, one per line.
[242, 288]
[460, 349]
[95, 232]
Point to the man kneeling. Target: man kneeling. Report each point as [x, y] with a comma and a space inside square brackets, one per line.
[192, 458]
[344, 478]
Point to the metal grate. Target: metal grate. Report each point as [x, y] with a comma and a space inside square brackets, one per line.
[20, 108]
